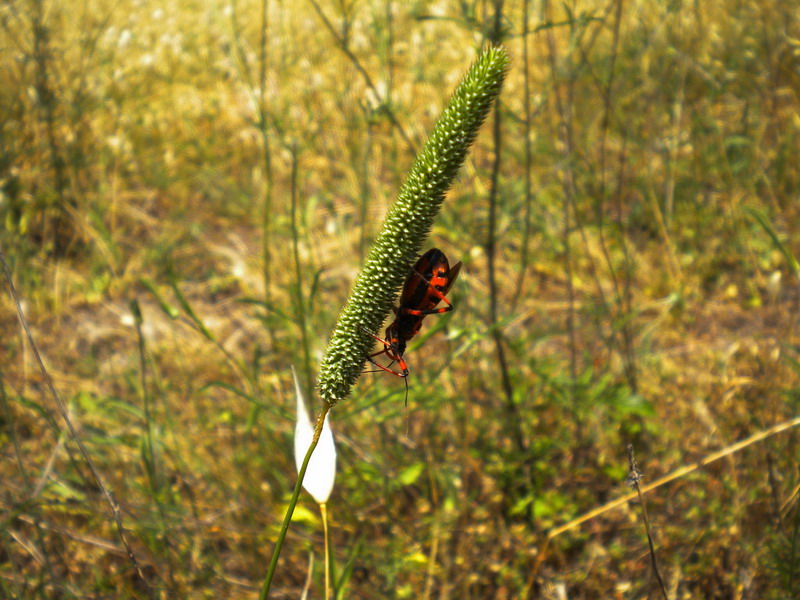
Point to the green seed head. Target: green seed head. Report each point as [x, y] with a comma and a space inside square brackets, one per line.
[407, 224]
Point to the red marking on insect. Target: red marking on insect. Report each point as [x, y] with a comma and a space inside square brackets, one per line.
[426, 286]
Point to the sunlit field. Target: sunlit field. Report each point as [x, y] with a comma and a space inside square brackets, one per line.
[187, 191]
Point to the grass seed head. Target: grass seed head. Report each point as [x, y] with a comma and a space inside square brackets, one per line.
[408, 222]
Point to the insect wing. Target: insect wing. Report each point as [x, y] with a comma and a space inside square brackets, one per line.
[411, 295]
[451, 277]
[431, 266]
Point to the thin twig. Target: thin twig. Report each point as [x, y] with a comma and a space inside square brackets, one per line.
[12, 433]
[564, 128]
[47, 100]
[309, 576]
[292, 503]
[526, 232]
[73, 432]
[634, 477]
[491, 249]
[676, 474]
[300, 298]
[571, 153]
[154, 476]
[622, 300]
[26, 483]
[266, 221]
[341, 43]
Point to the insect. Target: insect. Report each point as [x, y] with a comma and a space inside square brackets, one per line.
[426, 286]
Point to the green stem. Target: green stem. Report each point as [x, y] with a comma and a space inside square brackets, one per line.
[328, 558]
[300, 302]
[292, 503]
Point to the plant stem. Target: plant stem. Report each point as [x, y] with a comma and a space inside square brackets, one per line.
[266, 220]
[491, 251]
[47, 101]
[300, 303]
[323, 508]
[62, 409]
[633, 480]
[292, 503]
[341, 42]
[526, 234]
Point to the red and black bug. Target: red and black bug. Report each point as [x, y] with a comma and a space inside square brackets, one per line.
[426, 286]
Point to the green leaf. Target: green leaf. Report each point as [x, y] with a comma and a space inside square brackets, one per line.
[411, 473]
[304, 515]
[169, 309]
[62, 490]
[187, 308]
[767, 226]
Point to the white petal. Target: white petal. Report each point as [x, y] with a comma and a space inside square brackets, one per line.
[321, 469]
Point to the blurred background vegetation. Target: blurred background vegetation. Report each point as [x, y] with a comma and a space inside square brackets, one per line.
[628, 224]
